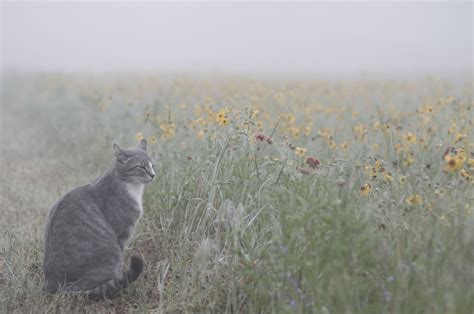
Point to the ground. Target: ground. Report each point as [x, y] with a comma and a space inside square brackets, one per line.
[272, 195]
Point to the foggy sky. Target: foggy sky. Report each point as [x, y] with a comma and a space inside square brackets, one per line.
[239, 37]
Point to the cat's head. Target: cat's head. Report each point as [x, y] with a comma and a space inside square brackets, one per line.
[134, 165]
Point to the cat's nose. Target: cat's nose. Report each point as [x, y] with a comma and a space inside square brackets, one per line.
[152, 175]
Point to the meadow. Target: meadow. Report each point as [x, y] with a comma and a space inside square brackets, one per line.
[272, 195]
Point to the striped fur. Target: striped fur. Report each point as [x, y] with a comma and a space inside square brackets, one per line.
[88, 229]
[114, 285]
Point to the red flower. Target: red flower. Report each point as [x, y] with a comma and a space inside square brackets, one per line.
[312, 162]
[260, 137]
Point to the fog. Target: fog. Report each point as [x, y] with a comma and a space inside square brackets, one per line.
[305, 38]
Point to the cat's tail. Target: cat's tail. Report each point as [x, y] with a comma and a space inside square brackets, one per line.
[113, 286]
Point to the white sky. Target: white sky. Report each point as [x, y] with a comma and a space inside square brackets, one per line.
[322, 37]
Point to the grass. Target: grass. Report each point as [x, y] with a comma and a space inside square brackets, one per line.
[236, 224]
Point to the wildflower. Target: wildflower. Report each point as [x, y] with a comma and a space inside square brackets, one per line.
[402, 179]
[462, 153]
[387, 176]
[300, 151]
[295, 131]
[365, 189]
[452, 129]
[415, 199]
[168, 130]
[307, 130]
[453, 163]
[409, 161]
[360, 130]
[344, 145]
[325, 133]
[290, 118]
[139, 136]
[459, 137]
[260, 137]
[202, 122]
[221, 116]
[409, 138]
[378, 165]
[254, 113]
[312, 162]
[153, 140]
[470, 162]
[465, 175]
[400, 147]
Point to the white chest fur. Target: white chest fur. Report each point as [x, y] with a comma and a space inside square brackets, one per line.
[136, 192]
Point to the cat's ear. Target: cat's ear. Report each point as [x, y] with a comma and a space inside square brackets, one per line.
[119, 153]
[117, 148]
[142, 145]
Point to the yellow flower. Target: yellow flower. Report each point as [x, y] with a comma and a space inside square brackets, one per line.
[470, 162]
[307, 130]
[300, 151]
[378, 165]
[387, 176]
[344, 145]
[289, 118]
[168, 130]
[365, 189]
[325, 133]
[400, 147]
[414, 199]
[201, 121]
[426, 109]
[139, 136]
[409, 161]
[459, 137]
[221, 116]
[453, 163]
[295, 131]
[410, 138]
[465, 175]
[462, 153]
[153, 140]
[359, 130]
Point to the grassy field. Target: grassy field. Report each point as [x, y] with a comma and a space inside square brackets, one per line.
[301, 196]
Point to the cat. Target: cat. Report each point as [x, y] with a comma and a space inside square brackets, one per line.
[88, 228]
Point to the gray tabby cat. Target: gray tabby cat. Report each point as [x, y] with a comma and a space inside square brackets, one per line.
[88, 228]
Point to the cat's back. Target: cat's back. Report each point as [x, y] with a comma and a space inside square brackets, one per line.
[75, 217]
[74, 202]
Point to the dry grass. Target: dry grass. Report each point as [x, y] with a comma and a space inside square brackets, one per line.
[237, 225]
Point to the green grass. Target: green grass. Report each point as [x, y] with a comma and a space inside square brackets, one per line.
[232, 225]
